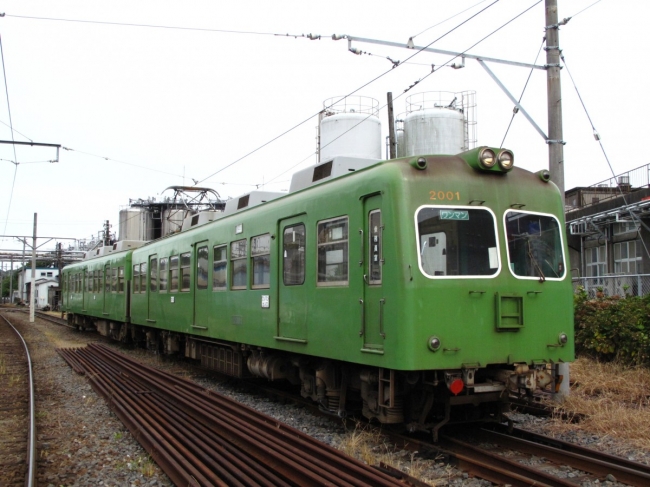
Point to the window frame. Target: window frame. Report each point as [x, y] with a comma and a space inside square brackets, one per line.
[205, 271]
[562, 245]
[262, 257]
[236, 263]
[321, 245]
[302, 258]
[185, 276]
[223, 264]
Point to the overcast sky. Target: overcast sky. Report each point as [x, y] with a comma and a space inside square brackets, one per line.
[144, 108]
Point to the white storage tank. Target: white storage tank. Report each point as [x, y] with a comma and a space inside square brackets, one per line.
[135, 224]
[172, 220]
[350, 128]
[437, 123]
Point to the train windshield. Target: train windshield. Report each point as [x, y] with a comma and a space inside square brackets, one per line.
[457, 242]
[535, 249]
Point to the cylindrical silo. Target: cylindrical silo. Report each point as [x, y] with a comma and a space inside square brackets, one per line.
[436, 123]
[350, 128]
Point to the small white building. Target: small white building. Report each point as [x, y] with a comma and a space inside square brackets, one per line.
[46, 277]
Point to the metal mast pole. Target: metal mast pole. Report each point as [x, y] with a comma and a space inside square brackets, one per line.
[555, 139]
[32, 294]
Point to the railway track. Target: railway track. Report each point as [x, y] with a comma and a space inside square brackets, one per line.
[17, 415]
[202, 438]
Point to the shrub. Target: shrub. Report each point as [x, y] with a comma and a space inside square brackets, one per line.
[613, 328]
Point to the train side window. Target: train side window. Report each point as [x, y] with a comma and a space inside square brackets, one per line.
[202, 262]
[238, 254]
[333, 252]
[120, 279]
[89, 282]
[173, 273]
[293, 255]
[162, 275]
[185, 272]
[143, 277]
[219, 268]
[114, 279]
[136, 278]
[261, 260]
[153, 274]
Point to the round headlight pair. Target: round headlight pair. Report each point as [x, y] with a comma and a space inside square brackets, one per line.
[488, 159]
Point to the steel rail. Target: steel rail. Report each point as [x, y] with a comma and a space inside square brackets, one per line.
[30, 477]
[209, 436]
[581, 458]
[265, 427]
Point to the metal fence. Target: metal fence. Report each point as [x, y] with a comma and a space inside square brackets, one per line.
[623, 285]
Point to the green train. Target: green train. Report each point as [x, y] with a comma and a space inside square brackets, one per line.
[418, 291]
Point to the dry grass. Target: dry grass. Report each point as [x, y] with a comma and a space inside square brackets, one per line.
[369, 445]
[609, 400]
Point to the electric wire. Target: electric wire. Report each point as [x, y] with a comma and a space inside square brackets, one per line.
[14, 130]
[588, 7]
[434, 70]
[346, 96]
[13, 182]
[602, 148]
[153, 26]
[516, 110]
[449, 18]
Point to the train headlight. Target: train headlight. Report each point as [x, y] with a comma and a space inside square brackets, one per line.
[562, 339]
[487, 158]
[434, 343]
[506, 160]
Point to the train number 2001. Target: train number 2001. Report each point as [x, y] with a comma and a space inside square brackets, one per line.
[444, 195]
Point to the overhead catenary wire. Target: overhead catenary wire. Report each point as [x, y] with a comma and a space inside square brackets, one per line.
[13, 182]
[434, 70]
[449, 18]
[346, 96]
[602, 148]
[515, 110]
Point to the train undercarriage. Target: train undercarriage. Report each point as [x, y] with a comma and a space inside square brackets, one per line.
[415, 400]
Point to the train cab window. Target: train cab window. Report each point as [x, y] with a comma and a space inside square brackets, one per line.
[136, 278]
[202, 262]
[162, 275]
[238, 255]
[293, 252]
[535, 248]
[457, 242]
[219, 268]
[173, 273]
[333, 252]
[261, 259]
[185, 272]
[120, 279]
[153, 274]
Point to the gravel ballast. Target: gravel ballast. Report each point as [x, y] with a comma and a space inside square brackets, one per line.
[81, 442]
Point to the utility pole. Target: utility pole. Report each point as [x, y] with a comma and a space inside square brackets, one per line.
[555, 139]
[554, 94]
[32, 294]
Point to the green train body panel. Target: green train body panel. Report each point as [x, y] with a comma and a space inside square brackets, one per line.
[93, 296]
[388, 325]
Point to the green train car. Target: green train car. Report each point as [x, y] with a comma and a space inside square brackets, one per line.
[418, 291]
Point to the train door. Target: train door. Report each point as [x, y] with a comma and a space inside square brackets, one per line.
[292, 293]
[374, 300]
[202, 294]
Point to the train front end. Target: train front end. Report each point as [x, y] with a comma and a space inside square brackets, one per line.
[489, 297]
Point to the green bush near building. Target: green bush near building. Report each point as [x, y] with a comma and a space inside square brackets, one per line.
[613, 328]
